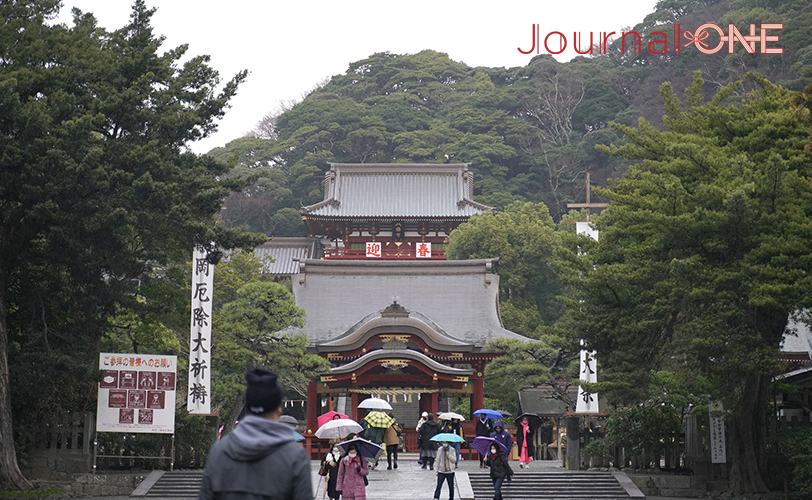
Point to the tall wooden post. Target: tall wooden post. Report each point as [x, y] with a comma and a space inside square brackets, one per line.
[434, 404]
[573, 443]
[312, 407]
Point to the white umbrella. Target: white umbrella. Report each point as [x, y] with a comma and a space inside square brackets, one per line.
[450, 415]
[375, 404]
[338, 428]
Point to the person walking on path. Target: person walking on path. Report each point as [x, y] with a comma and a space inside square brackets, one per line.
[502, 436]
[331, 463]
[423, 418]
[500, 470]
[524, 443]
[429, 447]
[374, 434]
[259, 459]
[392, 440]
[484, 427]
[454, 427]
[351, 482]
[446, 465]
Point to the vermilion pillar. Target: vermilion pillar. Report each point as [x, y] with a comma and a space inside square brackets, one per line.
[312, 406]
[354, 406]
[434, 404]
[479, 393]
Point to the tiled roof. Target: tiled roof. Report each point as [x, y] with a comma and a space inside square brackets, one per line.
[404, 190]
[458, 298]
[286, 254]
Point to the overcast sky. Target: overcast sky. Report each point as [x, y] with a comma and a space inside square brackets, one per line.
[289, 47]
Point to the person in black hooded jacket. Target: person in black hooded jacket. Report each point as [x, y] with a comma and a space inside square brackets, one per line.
[259, 460]
[500, 469]
[429, 447]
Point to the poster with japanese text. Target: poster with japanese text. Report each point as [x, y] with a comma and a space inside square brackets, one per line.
[137, 393]
[199, 400]
[717, 433]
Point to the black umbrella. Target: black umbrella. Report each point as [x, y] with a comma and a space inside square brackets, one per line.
[534, 419]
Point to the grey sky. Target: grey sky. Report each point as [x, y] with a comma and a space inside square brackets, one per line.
[289, 47]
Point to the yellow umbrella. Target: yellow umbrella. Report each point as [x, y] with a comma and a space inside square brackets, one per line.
[379, 419]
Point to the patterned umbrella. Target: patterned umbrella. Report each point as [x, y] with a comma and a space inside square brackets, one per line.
[330, 415]
[483, 444]
[447, 437]
[338, 428]
[379, 419]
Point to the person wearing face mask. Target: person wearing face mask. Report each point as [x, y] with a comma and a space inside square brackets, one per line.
[502, 436]
[330, 463]
[500, 470]
[446, 465]
[352, 472]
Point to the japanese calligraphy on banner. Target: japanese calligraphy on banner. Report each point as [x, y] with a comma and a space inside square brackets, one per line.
[137, 393]
[587, 401]
[717, 433]
[423, 250]
[199, 401]
[373, 249]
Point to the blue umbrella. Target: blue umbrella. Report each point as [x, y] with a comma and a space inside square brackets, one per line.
[298, 437]
[447, 437]
[488, 413]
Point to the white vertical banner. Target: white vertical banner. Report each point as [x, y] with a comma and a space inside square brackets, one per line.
[587, 401]
[199, 401]
[717, 433]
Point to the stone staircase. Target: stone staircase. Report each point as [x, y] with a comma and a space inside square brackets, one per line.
[529, 485]
[177, 484]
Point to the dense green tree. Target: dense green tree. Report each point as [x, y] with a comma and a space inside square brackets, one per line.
[97, 185]
[523, 237]
[250, 334]
[704, 253]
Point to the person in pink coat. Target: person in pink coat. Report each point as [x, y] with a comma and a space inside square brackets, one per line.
[352, 474]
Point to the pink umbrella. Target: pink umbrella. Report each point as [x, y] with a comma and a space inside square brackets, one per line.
[323, 419]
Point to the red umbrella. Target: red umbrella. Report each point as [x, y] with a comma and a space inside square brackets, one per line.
[323, 419]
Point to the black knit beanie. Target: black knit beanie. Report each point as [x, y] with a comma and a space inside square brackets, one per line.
[263, 393]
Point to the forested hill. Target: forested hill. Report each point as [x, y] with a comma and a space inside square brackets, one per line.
[529, 132]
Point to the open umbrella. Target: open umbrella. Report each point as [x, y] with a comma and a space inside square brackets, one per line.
[338, 428]
[379, 419]
[298, 437]
[450, 415]
[505, 413]
[365, 448]
[330, 415]
[447, 437]
[482, 444]
[289, 419]
[374, 404]
[534, 419]
[488, 413]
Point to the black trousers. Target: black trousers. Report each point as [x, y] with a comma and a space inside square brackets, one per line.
[392, 452]
[440, 479]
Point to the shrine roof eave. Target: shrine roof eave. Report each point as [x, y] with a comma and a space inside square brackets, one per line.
[374, 323]
[400, 354]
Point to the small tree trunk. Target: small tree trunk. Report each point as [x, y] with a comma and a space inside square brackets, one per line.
[10, 476]
[233, 414]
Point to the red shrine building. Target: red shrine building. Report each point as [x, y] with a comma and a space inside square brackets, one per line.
[394, 318]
